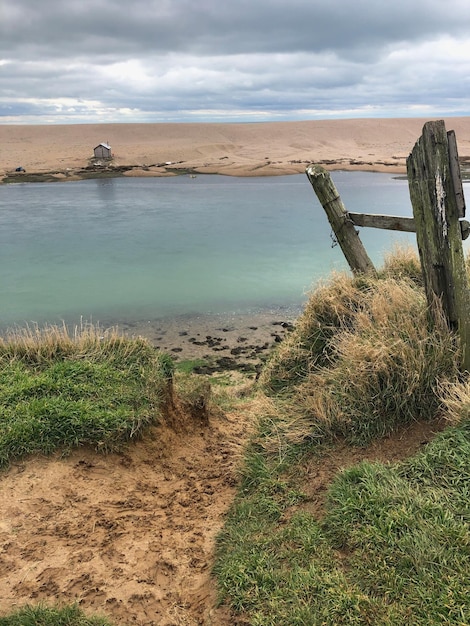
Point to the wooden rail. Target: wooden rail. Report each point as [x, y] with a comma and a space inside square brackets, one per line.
[390, 222]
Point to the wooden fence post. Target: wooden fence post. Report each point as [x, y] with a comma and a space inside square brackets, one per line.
[342, 225]
[437, 199]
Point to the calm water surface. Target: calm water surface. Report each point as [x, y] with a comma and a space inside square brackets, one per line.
[131, 249]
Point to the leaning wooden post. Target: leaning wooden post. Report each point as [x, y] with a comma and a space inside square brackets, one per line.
[343, 227]
[437, 199]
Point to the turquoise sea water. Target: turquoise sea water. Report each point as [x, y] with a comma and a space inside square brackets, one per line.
[131, 249]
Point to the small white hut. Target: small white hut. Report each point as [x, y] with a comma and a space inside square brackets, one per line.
[103, 151]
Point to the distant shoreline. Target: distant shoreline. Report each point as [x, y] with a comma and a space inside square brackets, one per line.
[110, 170]
[65, 152]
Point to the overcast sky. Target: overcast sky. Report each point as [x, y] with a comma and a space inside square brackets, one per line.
[232, 60]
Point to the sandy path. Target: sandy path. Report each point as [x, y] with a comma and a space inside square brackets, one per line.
[130, 536]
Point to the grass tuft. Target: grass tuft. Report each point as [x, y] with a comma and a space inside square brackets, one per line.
[364, 357]
[384, 368]
[331, 306]
[51, 616]
[61, 390]
[402, 262]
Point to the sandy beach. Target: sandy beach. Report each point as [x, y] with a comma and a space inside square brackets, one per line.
[63, 152]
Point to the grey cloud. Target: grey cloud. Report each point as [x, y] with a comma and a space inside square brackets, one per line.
[164, 57]
[119, 27]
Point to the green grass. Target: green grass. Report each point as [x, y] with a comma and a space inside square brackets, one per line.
[274, 563]
[189, 365]
[49, 616]
[393, 548]
[59, 392]
[406, 530]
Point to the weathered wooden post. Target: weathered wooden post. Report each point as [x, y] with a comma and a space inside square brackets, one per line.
[342, 225]
[437, 198]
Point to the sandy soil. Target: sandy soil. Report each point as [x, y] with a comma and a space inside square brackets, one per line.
[270, 148]
[129, 536]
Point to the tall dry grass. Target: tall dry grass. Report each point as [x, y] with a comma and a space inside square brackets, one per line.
[36, 344]
[456, 400]
[385, 369]
[364, 357]
[331, 306]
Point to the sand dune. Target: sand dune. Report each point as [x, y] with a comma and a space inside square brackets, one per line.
[233, 149]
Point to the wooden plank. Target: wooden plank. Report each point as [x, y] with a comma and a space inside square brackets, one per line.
[455, 173]
[392, 222]
[387, 222]
[343, 227]
[438, 230]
